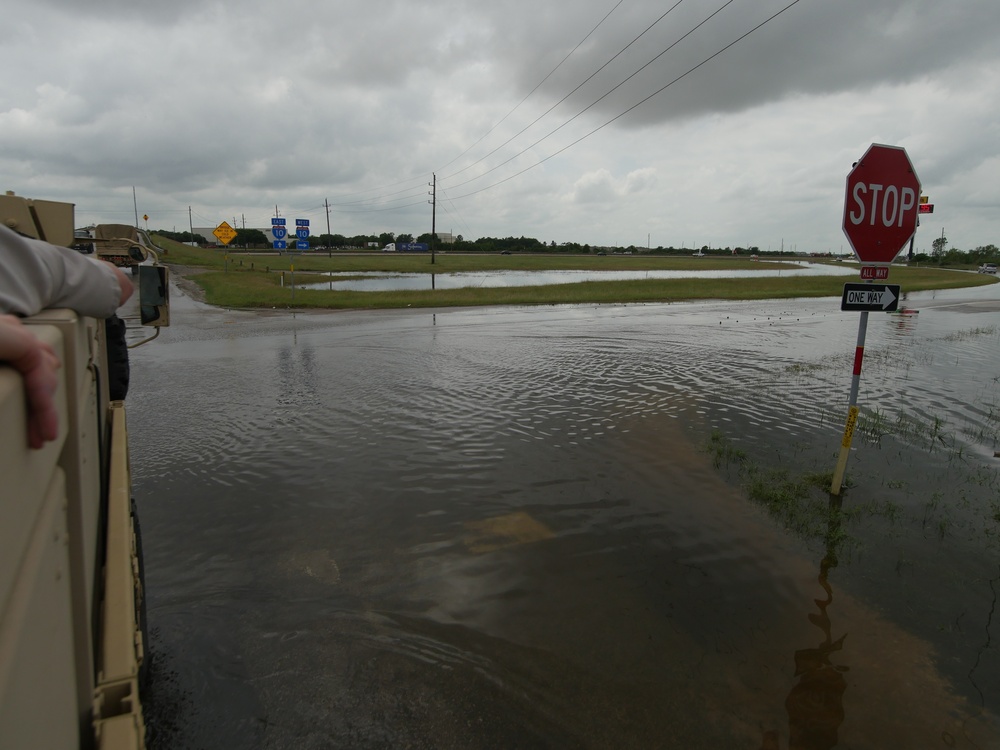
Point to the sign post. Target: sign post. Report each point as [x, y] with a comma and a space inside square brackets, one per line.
[880, 217]
[300, 244]
[225, 234]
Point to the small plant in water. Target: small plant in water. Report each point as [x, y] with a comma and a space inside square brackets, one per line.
[792, 501]
[958, 453]
[803, 369]
[930, 507]
[873, 426]
[723, 452]
[784, 497]
[964, 335]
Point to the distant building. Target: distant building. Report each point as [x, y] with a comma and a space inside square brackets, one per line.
[206, 232]
[445, 238]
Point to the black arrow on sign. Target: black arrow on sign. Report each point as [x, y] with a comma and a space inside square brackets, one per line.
[870, 297]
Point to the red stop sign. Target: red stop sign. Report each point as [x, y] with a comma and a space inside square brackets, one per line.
[880, 212]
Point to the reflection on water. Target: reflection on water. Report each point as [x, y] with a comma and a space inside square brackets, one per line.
[815, 705]
[384, 281]
[500, 527]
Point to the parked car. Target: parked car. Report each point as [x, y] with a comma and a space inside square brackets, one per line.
[82, 242]
[988, 268]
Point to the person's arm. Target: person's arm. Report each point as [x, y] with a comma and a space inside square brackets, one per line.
[124, 283]
[35, 275]
[37, 363]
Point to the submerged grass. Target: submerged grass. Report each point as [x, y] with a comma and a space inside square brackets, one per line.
[971, 333]
[932, 432]
[258, 281]
[801, 503]
[793, 501]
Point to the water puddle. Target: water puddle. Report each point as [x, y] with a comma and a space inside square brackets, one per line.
[380, 281]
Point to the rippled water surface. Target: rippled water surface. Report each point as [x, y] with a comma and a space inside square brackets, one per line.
[505, 528]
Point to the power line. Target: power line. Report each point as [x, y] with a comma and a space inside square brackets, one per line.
[604, 95]
[538, 86]
[409, 193]
[454, 211]
[621, 114]
[419, 199]
[481, 138]
[567, 96]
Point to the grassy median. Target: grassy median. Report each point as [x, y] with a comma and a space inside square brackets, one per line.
[265, 281]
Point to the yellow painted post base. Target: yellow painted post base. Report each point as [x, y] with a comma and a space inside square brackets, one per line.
[845, 451]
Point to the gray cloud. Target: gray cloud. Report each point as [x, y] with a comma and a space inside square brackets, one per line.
[236, 106]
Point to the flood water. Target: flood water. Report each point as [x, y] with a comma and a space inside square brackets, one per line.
[390, 281]
[504, 528]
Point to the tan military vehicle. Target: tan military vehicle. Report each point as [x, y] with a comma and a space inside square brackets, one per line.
[123, 245]
[73, 649]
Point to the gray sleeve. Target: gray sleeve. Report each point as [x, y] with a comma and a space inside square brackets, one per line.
[35, 275]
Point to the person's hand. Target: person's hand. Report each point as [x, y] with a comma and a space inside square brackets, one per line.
[37, 363]
[124, 282]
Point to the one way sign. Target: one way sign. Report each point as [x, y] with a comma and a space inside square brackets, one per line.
[870, 297]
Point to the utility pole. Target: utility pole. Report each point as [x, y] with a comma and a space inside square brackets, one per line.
[326, 202]
[190, 223]
[136, 205]
[433, 203]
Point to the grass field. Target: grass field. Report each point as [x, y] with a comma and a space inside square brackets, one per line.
[255, 281]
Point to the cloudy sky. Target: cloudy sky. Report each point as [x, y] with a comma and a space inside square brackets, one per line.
[691, 123]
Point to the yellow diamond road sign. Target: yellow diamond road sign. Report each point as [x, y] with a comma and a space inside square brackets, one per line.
[224, 232]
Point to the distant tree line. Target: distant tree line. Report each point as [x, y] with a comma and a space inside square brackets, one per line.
[941, 256]
[182, 236]
[256, 239]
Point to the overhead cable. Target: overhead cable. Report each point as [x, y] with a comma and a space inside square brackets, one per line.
[618, 116]
[567, 96]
